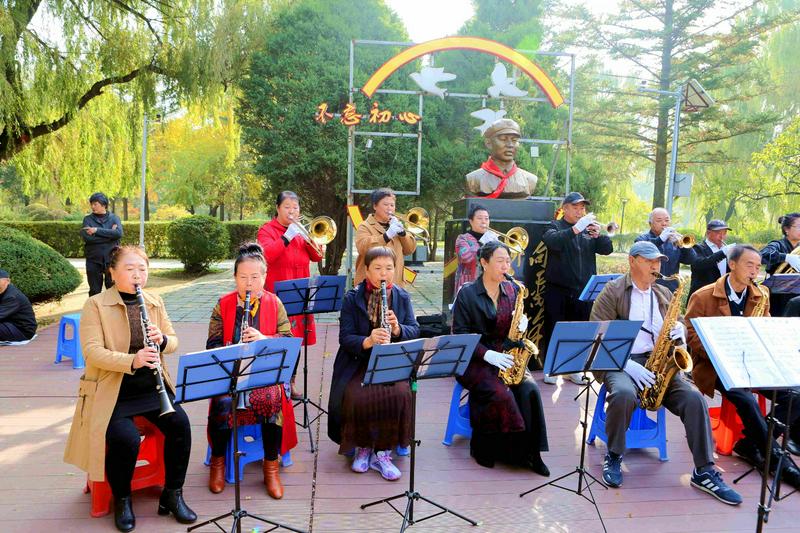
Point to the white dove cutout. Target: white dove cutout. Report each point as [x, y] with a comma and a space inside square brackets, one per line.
[503, 84]
[488, 116]
[428, 77]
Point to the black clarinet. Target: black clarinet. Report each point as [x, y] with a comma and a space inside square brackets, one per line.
[243, 325]
[385, 309]
[166, 404]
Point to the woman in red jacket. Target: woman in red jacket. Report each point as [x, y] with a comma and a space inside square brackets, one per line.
[288, 256]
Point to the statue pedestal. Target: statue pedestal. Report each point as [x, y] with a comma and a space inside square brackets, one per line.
[534, 216]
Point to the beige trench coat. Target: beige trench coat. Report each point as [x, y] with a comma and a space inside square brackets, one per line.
[369, 235]
[105, 338]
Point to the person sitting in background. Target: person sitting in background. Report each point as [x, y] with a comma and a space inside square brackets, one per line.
[664, 236]
[101, 233]
[778, 252]
[17, 321]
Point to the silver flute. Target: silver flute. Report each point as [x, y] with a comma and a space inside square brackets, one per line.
[166, 404]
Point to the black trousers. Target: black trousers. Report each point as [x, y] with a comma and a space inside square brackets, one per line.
[10, 332]
[97, 274]
[271, 435]
[755, 424]
[561, 304]
[122, 448]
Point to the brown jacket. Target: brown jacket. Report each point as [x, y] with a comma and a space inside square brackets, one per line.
[369, 235]
[614, 301]
[105, 338]
[711, 300]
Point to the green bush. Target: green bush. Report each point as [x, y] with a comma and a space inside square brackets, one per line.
[35, 268]
[42, 212]
[239, 232]
[198, 241]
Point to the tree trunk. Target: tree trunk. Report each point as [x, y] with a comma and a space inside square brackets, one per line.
[125, 208]
[664, 104]
[113, 206]
[731, 209]
[222, 212]
[434, 231]
[212, 210]
[336, 249]
[191, 209]
[146, 206]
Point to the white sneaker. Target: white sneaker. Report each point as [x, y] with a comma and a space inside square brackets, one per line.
[550, 380]
[577, 378]
[361, 460]
[382, 462]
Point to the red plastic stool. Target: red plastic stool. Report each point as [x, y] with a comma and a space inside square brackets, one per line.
[727, 426]
[149, 469]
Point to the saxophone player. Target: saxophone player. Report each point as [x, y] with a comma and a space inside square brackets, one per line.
[507, 422]
[636, 296]
[736, 294]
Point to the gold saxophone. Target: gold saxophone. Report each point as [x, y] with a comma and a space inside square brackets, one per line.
[761, 306]
[515, 374]
[666, 358]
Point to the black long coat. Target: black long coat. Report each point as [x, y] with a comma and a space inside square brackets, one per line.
[354, 327]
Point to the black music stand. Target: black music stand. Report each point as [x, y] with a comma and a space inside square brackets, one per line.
[437, 357]
[234, 370]
[583, 347]
[595, 286]
[309, 296]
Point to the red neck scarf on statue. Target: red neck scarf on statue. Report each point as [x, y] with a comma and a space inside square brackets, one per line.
[491, 167]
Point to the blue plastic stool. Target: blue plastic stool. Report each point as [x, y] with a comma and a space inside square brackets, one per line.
[644, 432]
[250, 443]
[458, 419]
[70, 347]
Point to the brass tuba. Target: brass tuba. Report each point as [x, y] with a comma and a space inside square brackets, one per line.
[515, 374]
[666, 359]
[784, 267]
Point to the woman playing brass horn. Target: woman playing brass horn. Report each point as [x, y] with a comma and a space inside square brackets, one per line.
[507, 422]
[288, 256]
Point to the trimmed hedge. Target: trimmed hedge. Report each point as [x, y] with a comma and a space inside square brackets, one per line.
[39, 271]
[198, 241]
[64, 236]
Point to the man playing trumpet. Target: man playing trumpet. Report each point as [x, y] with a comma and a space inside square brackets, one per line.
[736, 294]
[664, 236]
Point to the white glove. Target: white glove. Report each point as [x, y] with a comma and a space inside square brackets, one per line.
[523, 324]
[489, 236]
[291, 232]
[501, 360]
[794, 261]
[727, 249]
[639, 374]
[395, 228]
[678, 332]
[666, 233]
[584, 221]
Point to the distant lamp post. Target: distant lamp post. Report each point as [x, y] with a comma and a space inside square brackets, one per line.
[692, 97]
[622, 218]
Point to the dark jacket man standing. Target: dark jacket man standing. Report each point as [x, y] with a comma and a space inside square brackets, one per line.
[101, 232]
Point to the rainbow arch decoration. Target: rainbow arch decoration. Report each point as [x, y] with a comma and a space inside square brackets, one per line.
[478, 44]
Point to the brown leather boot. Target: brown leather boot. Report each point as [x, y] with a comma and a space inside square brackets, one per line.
[216, 475]
[272, 479]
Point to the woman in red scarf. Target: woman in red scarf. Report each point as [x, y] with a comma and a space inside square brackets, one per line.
[268, 406]
[288, 256]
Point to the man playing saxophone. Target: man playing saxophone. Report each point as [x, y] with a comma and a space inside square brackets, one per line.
[736, 294]
[636, 296]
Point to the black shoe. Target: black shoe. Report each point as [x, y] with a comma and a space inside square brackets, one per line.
[171, 501]
[612, 470]
[792, 447]
[790, 474]
[536, 464]
[123, 514]
[745, 449]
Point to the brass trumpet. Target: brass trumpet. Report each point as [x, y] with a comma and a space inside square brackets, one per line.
[320, 230]
[611, 228]
[684, 241]
[516, 239]
[417, 221]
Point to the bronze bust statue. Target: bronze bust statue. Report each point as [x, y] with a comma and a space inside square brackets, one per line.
[499, 176]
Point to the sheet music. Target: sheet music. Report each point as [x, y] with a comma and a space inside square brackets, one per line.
[781, 336]
[738, 354]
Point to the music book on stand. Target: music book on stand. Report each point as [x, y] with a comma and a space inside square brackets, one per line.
[757, 352]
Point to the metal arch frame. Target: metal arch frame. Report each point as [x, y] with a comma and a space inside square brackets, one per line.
[353, 133]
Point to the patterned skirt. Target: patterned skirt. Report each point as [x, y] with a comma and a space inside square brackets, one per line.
[375, 416]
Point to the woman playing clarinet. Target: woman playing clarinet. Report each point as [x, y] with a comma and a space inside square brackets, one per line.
[124, 367]
[248, 314]
[507, 422]
[371, 420]
[288, 256]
